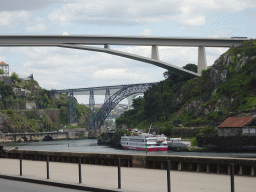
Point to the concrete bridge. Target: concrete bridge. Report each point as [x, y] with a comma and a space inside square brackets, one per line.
[79, 42]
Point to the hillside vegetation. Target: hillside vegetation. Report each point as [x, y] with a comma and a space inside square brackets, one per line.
[50, 114]
[225, 89]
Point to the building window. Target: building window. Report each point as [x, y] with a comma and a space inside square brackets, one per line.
[245, 130]
[252, 130]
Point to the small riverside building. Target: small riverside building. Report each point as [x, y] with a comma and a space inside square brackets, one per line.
[233, 126]
[5, 67]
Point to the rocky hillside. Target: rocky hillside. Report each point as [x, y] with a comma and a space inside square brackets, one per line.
[225, 89]
[26, 107]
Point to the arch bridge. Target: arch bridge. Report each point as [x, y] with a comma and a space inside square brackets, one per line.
[113, 95]
[82, 42]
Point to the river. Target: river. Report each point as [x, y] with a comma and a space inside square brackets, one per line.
[91, 146]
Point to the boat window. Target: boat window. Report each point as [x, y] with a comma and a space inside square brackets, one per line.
[136, 140]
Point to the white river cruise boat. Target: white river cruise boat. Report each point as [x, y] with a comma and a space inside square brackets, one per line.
[145, 141]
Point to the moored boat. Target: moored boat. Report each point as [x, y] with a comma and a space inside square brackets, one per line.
[144, 142]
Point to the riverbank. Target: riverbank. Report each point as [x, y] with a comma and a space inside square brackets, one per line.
[132, 179]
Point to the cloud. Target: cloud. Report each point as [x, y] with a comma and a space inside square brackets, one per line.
[67, 68]
[41, 25]
[29, 5]
[113, 12]
[37, 27]
[13, 18]
[147, 32]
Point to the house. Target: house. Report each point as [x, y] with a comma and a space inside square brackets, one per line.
[5, 67]
[22, 92]
[233, 126]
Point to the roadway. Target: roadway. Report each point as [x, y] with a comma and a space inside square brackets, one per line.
[58, 40]
[18, 186]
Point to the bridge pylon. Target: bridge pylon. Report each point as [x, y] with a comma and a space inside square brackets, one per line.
[107, 94]
[72, 110]
[91, 106]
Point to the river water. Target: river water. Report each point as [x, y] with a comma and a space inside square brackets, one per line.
[91, 146]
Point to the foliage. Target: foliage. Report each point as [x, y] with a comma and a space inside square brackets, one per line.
[157, 103]
[208, 130]
[6, 91]
[15, 77]
[30, 121]
[48, 125]
[10, 112]
[166, 130]
[194, 142]
[117, 137]
[1, 71]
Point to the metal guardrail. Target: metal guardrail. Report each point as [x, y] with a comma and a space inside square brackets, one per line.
[119, 172]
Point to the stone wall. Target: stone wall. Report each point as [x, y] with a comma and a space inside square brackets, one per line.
[6, 79]
[228, 131]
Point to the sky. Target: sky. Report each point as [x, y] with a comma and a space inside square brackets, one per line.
[61, 68]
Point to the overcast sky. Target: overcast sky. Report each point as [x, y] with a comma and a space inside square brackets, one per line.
[60, 68]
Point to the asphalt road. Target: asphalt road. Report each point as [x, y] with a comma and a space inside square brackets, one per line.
[18, 186]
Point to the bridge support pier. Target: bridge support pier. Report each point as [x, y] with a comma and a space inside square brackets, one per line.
[155, 52]
[107, 94]
[129, 99]
[106, 46]
[91, 106]
[72, 109]
[202, 64]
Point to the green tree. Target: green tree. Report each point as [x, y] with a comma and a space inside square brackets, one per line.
[1, 71]
[6, 91]
[191, 67]
[15, 77]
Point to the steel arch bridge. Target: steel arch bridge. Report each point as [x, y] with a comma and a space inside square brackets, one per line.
[113, 100]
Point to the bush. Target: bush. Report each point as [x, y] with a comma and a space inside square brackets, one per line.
[117, 137]
[10, 112]
[213, 116]
[166, 130]
[208, 130]
[194, 142]
[15, 77]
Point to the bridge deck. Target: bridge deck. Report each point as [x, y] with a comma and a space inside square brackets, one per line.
[55, 40]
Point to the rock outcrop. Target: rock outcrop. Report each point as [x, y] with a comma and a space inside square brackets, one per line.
[225, 64]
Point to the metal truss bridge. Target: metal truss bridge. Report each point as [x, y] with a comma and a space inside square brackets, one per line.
[113, 95]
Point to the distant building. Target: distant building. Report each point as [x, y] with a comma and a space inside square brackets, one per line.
[233, 125]
[5, 67]
[30, 77]
[22, 92]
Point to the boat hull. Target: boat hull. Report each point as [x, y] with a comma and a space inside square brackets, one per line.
[148, 149]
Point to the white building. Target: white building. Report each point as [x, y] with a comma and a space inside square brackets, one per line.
[5, 67]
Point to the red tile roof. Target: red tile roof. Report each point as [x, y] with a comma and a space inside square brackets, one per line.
[236, 122]
[3, 63]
